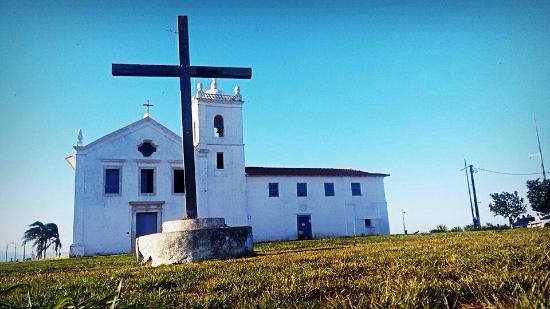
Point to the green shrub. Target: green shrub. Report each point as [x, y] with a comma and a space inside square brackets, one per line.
[456, 229]
[439, 229]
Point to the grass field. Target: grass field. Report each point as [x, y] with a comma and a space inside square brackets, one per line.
[469, 269]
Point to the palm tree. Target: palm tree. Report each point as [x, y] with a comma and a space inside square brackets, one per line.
[43, 236]
[53, 237]
[38, 234]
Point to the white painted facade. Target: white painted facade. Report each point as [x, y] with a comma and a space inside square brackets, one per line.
[220, 192]
[274, 218]
[106, 223]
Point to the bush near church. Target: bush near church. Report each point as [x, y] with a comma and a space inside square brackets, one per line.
[507, 205]
[538, 194]
[440, 228]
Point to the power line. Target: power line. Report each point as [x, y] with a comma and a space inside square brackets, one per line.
[506, 173]
[475, 218]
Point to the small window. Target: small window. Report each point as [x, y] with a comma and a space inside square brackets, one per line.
[147, 148]
[301, 189]
[273, 189]
[219, 160]
[179, 181]
[355, 189]
[218, 126]
[368, 223]
[329, 189]
[112, 181]
[147, 185]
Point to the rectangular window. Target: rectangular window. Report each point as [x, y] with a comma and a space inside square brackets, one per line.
[147, 180]
[178, 183]
[355, 189]
[301, 189]
[219, 160]
[273, 189]
[112, 181]
[329, 189]
[368, 223]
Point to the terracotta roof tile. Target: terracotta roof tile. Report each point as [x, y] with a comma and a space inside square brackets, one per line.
[299, 171]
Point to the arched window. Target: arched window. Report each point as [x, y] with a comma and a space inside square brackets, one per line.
[218, 126]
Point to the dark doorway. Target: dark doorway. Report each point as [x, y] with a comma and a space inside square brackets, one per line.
[304, 227]
[146, 223]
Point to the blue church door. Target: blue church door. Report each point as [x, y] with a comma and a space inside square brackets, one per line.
[146, 223]
[304, 227]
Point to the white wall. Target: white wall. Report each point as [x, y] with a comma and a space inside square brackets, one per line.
[104, 224]
[221, 192]
[274, 218]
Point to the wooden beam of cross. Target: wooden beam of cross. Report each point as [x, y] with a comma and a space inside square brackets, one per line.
[184, 71]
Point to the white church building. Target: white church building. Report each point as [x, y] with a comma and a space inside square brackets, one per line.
[131, 180]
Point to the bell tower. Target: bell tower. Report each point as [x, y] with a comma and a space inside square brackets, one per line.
[219, 154]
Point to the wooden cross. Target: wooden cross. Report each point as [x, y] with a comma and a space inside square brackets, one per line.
[184, 71]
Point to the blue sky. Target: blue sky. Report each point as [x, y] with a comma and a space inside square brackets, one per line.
[406, 88]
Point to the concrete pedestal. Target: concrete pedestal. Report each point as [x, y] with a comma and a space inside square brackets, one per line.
[193, 240]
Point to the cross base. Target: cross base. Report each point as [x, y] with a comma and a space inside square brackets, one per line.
[193, 240]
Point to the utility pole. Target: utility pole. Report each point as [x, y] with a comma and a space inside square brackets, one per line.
[475, 195]
[540, 150]
[469, 193]
[403, 214]
[8, 247]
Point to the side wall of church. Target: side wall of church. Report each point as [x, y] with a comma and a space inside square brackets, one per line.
[105, 223]
[275, 218]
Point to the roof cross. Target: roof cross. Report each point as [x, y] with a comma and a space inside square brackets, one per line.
[147, 105]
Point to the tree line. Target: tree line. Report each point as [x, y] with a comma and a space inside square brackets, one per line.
[511, 205]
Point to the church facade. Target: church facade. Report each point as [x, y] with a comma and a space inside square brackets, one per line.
[130, 181]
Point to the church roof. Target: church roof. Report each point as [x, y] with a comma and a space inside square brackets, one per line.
[301, 171]
[142, 122]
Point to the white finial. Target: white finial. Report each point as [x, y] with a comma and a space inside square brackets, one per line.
[79, 138]
[237, 91]
[200, 92]
[213, 88]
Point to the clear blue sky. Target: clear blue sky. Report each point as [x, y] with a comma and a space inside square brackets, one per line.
[406, 88]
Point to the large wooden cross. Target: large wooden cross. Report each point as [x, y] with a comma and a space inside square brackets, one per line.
[184, 71]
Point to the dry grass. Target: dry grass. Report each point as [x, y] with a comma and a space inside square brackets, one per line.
[469, 269]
